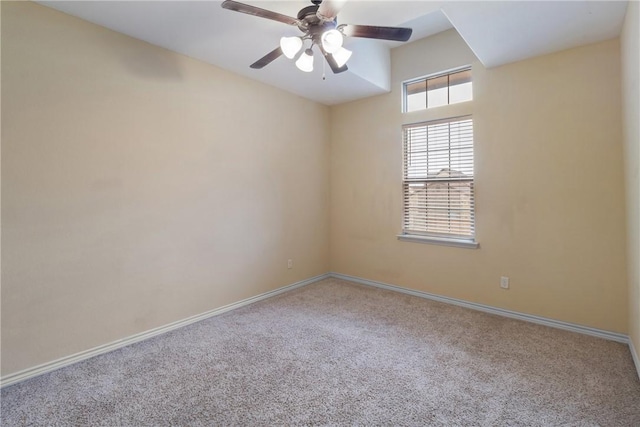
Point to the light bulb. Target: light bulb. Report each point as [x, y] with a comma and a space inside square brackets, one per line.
[290, 46]
[341, 56]
[332, 40]
[305, 62]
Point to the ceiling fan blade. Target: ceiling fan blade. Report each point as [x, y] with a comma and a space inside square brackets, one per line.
[332, 62]
[329, 9]
[256, 11]
[399, 34]
[267, 59]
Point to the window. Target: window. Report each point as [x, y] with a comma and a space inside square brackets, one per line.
[435, 91]
[438, 180]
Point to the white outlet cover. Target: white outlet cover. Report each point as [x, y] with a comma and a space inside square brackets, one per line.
[504, 282]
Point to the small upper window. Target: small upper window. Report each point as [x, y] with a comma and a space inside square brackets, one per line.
[435, 91]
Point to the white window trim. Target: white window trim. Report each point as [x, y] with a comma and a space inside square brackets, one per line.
[459, 243]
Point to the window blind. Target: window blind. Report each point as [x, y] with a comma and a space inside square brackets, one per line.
[438, 182]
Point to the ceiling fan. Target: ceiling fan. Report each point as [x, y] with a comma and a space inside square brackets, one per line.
[319, 26]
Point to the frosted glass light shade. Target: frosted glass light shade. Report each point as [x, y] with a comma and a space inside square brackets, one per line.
[332, 41]
[341, 56]
[305, 62]
[290, 46]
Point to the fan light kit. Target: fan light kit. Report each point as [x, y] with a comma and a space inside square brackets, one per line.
[331, 42]
[319, 25]
[305, 62]
[290, 46]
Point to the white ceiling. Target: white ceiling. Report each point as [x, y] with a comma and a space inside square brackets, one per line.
[498, 32]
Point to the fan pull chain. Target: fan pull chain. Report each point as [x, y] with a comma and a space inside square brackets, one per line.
[324, 64]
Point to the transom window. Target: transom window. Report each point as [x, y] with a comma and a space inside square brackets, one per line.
[439, 90]
[438, 179]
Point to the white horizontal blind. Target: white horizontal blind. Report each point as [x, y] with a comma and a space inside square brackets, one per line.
[438, 178]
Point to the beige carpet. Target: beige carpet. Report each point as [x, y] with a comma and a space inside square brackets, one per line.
[338, 353]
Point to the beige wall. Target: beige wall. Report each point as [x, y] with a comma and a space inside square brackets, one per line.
[631, 131]
[140, 187]
[549, 182]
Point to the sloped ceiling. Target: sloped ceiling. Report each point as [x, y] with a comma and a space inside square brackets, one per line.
[497, 32]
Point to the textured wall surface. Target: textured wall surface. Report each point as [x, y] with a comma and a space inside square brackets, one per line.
[549, 185]
[140, 187]
[630, 47]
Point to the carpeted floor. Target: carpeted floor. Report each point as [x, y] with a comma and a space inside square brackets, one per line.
[338, 353]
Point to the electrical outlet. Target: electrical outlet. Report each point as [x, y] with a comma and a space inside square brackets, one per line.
[289, 263]
[504, 282]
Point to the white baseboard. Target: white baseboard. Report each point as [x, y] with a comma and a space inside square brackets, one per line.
[84, 355]
[613, 336]
[87, 354]
[636, 358]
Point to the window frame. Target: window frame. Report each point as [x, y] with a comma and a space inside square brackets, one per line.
[426, 78]
[448, 239]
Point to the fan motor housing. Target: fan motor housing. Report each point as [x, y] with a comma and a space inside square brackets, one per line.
[311, 24]
[308, 13]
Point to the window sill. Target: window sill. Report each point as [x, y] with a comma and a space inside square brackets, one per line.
[439, 241]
